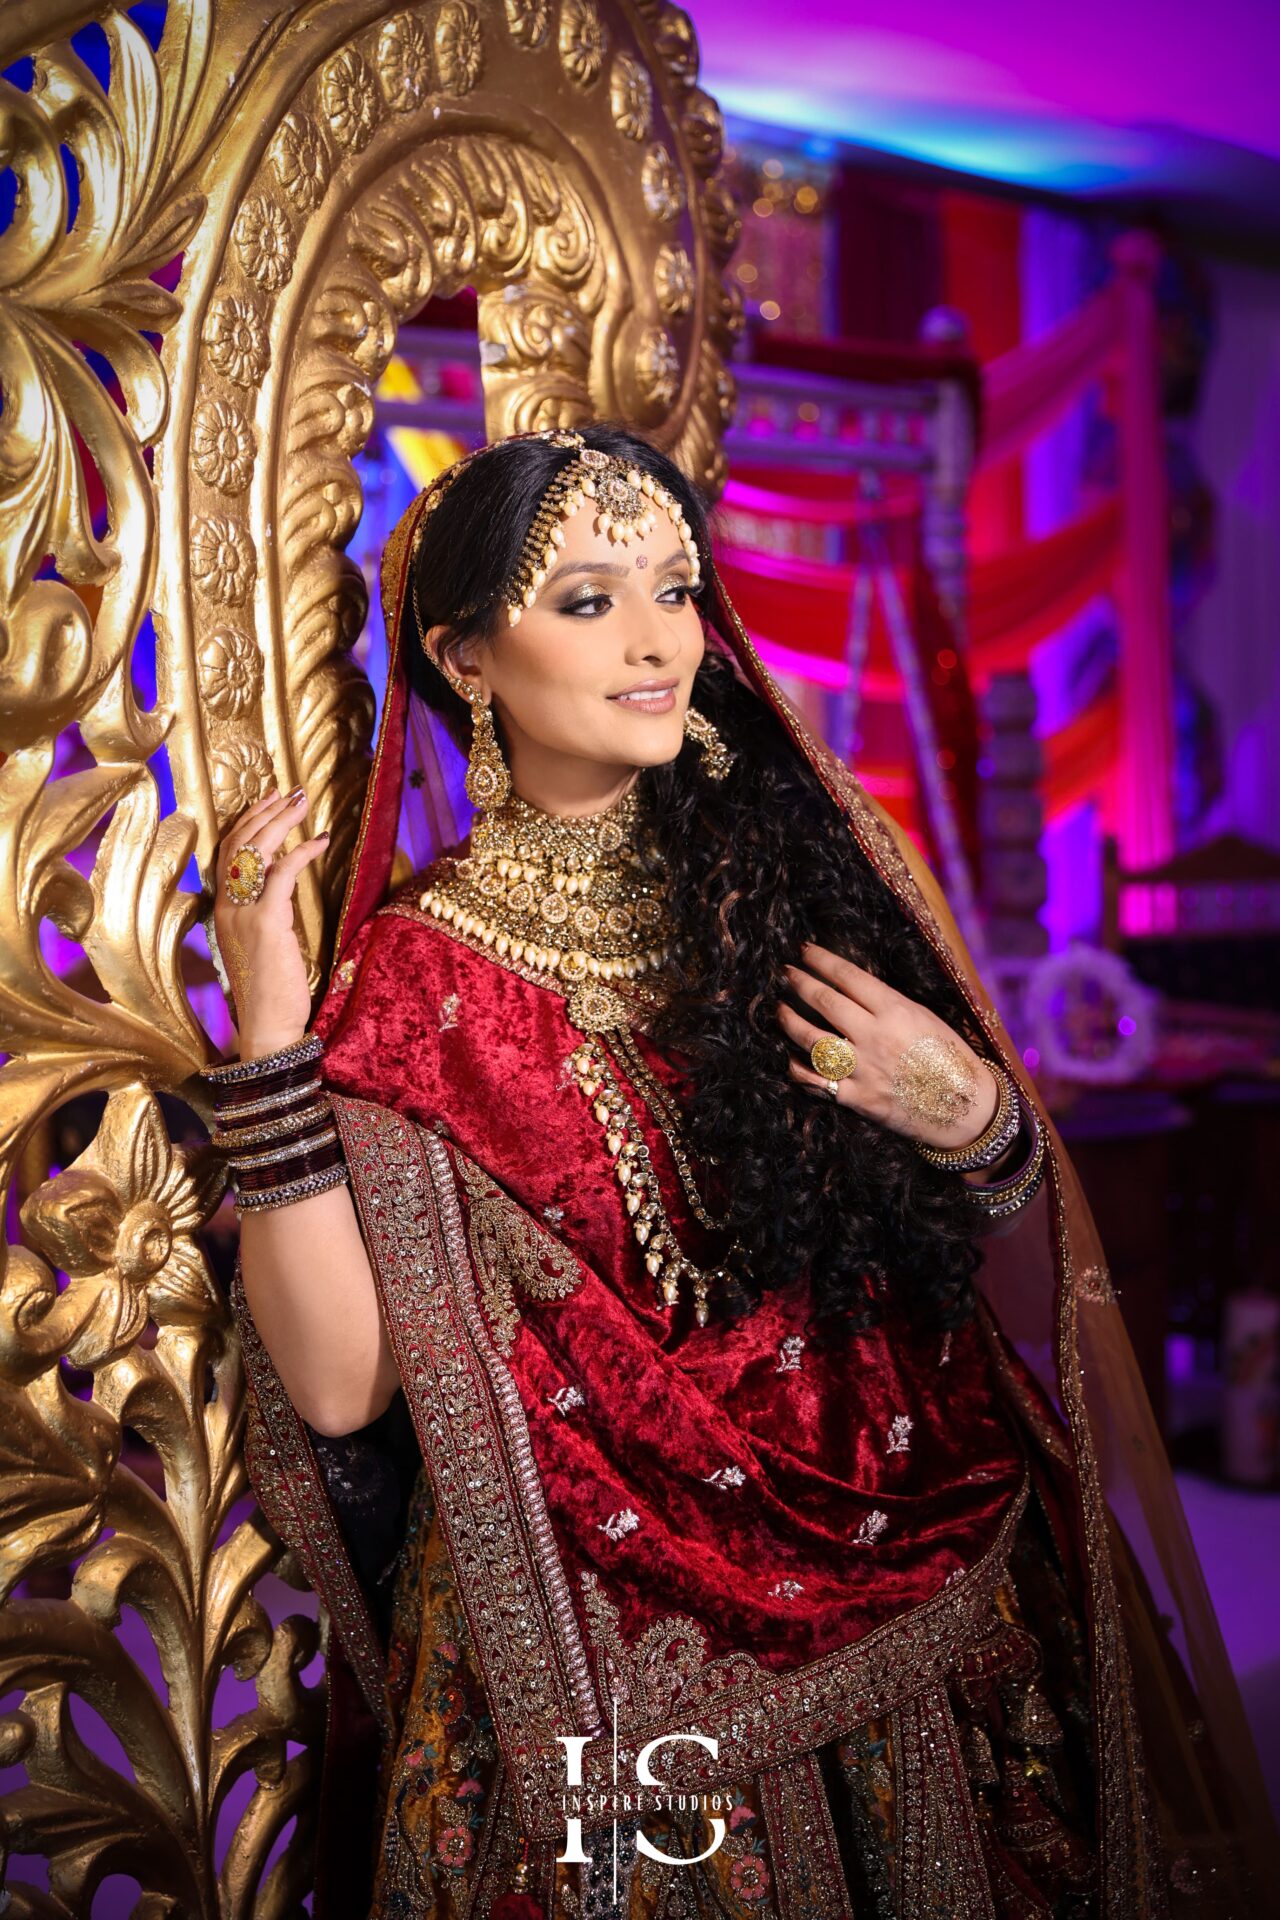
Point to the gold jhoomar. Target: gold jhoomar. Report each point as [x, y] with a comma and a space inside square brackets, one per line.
[318, 170]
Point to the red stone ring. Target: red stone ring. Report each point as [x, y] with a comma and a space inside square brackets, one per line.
[247, 875]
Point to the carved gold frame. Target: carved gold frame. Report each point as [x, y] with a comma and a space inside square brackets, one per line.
[320, 169]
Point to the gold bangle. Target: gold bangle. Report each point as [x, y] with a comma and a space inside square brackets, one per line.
[996, 1137]
[230, 1140]
[291, 1150]
[272, 1102]
[260, 1202]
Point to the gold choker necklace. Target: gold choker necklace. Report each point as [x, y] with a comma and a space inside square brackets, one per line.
[569, 896]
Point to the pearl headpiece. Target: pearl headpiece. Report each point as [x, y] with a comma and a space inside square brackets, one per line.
[625, 498]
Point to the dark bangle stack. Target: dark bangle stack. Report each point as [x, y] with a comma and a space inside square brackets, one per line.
[275, 1124]
[1014, 1121]
[999, 1199]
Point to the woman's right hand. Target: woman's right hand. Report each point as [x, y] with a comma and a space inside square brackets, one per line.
[259, 945]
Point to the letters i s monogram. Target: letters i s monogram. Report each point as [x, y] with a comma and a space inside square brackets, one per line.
[576, 1744]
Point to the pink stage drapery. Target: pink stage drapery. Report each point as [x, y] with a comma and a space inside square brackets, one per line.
[1027, 391]
[1030, 591]
[1014, 601]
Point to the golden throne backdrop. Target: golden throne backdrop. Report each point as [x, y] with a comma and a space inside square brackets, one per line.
[235, 227]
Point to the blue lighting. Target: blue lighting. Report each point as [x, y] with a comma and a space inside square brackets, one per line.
[1040, 150]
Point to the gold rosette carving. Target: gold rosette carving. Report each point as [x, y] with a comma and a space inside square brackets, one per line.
[261, 204]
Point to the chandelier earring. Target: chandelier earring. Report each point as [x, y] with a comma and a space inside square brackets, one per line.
[716, 757]
[488, 782]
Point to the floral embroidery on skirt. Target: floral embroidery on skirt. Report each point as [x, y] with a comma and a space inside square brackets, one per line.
[1014, 1716]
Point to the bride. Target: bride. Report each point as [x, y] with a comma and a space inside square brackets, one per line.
[677, 1344]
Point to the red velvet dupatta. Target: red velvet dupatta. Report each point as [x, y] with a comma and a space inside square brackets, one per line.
[1179, 1800]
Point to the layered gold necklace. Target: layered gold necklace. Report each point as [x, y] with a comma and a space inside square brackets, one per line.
[570, 896]
[579, 900]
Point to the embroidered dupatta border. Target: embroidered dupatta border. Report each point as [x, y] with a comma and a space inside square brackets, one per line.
[287, 1480]
[511, 1581]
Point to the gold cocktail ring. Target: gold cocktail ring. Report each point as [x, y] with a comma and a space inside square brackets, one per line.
[835, 1059]
[246, 875]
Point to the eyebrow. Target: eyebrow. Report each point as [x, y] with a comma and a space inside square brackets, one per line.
[615, 568]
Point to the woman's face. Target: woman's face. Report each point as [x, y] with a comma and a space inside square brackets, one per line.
[593, 681]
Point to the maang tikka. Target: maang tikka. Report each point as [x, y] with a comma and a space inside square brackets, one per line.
[625, 500]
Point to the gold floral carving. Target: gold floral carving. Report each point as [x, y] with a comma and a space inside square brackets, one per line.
[349, 97]
[241, 775]
[673, 278]
[631, 97]
[676, 45]
[403, 61]
[661, 185]
[723, 220]
[583, 40]
[527, 22]
[267, 198]
[459, 46]
[301, 160]
[230, 672]
[657, 366]
[222, 563]
[236, 338]
[266, 243]
[222, 446]
[703, 126]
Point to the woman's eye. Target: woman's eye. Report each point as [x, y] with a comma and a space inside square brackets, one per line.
[678, 587]
[590, 604]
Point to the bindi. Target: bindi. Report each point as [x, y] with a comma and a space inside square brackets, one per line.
[642, 560]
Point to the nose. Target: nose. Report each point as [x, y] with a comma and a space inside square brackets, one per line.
[653, 637]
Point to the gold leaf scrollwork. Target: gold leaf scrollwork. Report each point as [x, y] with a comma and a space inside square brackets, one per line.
[207, 170]
[120, 1222]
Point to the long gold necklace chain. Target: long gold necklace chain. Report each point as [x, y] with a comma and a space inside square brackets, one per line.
[667, 1116]
[651, 1224]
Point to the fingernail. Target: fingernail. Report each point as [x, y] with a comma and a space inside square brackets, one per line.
[322, 836]
[298, 793]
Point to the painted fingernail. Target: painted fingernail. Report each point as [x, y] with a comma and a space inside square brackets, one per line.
[298, 793]
[323, 836]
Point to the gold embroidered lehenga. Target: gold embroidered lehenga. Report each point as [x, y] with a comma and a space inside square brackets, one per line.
[933, 1599]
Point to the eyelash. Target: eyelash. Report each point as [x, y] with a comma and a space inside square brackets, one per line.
[576, 607]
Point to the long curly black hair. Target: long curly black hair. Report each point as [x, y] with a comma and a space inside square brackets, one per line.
[755, 865]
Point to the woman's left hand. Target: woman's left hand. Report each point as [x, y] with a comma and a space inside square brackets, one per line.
[913, 1073]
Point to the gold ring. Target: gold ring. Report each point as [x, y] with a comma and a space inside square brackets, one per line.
[246, 875]
[834, 1058]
